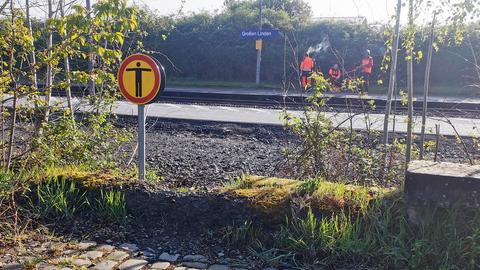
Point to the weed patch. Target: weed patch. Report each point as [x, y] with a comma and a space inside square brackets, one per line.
[241, 236]
[111, 206]
[331, 225]
[58, 197]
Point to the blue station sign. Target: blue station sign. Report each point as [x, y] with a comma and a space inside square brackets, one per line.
[260, 34]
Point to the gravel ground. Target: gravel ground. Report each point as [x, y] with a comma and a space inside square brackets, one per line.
[205, 155]
[200, 155]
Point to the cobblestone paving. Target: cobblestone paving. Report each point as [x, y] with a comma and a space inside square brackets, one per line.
[90, 255]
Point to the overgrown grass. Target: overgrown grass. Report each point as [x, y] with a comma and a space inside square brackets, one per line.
[353, 227]
[58, 197]
[61, 197]
[111, 205]
[88, 178]
[382, 238]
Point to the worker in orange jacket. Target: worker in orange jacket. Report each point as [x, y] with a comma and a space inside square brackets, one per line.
[306, 68]
[335, 75]
[366, 70]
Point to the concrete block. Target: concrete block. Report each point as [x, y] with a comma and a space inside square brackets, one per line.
[442, 184]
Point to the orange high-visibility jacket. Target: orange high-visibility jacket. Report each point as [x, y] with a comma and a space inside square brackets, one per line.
[335, 73]
[307, 64]
[367, 65]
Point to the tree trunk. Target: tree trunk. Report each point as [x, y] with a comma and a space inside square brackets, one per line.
[393, 73]
[33, 60]
[14, 86]
[426, 88]
[91, 83]
[49, 77]
[68, 89]
[33, 66]
[408, 154]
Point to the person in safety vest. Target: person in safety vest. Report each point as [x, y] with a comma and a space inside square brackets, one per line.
[335, 75]
[366, 70]
[306, 67]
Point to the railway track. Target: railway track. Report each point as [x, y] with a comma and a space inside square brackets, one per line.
[298, 102]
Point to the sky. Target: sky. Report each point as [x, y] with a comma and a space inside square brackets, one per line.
[374, 10]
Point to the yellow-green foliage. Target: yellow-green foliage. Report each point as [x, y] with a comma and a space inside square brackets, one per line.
[332, 197]
[88, 178]
[273, 195]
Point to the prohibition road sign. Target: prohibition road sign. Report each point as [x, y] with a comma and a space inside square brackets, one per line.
[141, 79]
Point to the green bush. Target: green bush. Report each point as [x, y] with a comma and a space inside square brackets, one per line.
[7, 184]
[339, 154]
[94, 143]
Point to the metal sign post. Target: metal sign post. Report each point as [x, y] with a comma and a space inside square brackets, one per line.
[259, 51]
[141, 142]
[141, 79]
[259, 36]
[259, 61]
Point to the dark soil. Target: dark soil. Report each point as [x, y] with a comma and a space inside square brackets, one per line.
[170, 222]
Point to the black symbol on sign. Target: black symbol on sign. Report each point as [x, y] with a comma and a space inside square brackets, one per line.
[138, 78]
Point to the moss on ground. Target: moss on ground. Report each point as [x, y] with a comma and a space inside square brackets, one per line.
[88, 178]
[274, 196]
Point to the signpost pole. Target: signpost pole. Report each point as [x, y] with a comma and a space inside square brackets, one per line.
[259, 51]
[141, 79]
[141, 142]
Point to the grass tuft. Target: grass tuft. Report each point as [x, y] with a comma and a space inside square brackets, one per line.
[111, 206]
[58, 197]
[241, 236]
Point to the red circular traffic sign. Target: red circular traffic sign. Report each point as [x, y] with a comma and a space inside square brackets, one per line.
[140, 79]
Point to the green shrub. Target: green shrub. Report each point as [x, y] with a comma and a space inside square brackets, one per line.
[94, 143]
[111, 206]
[58, 197]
